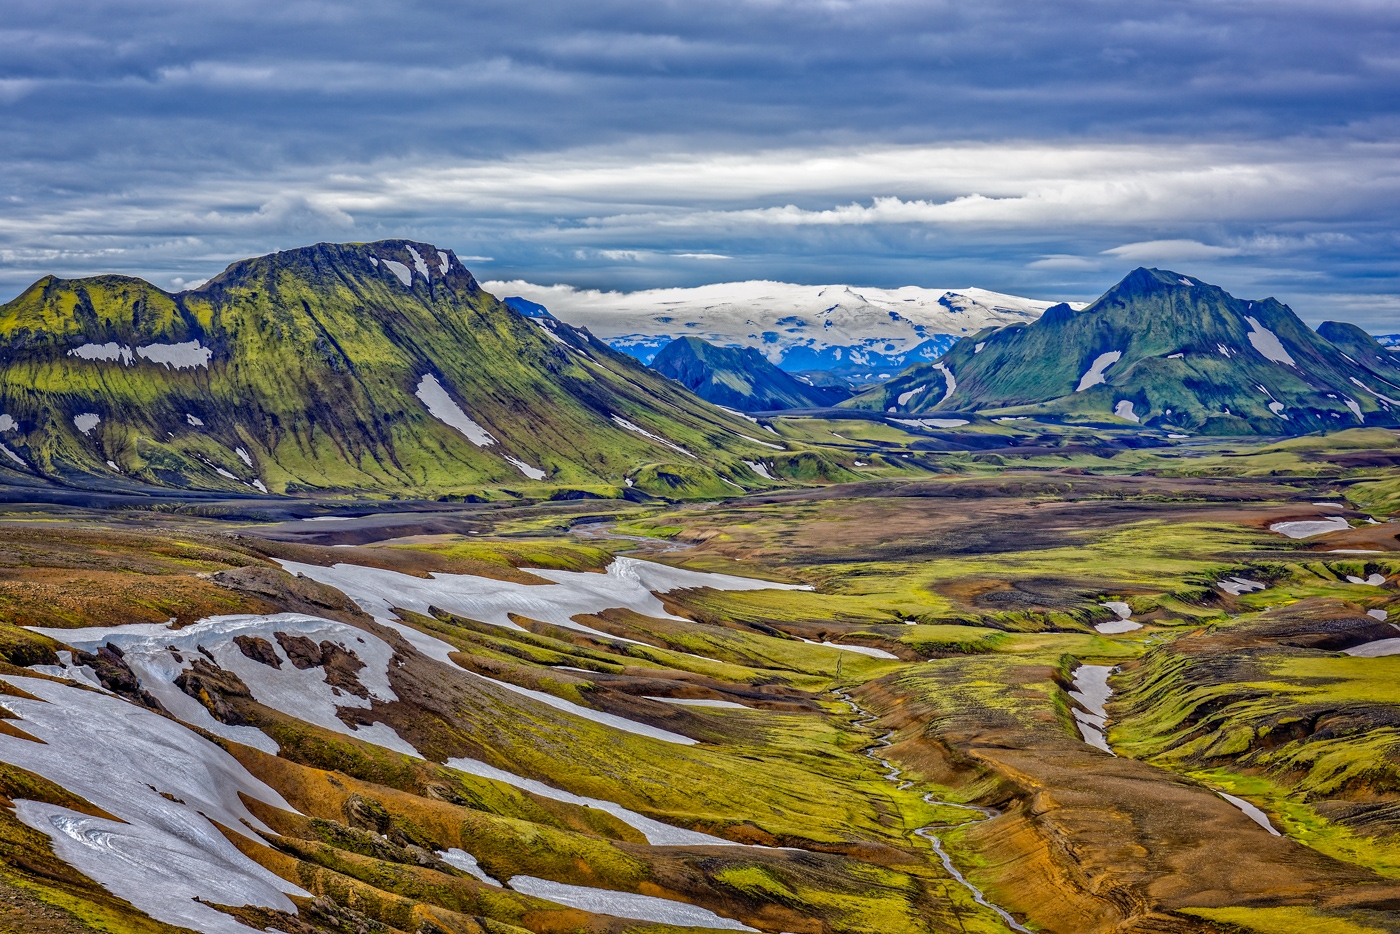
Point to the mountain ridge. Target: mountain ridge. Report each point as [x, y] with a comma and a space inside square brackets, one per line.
[863, 333]
[1163, 350]
[341, 367]
[739, 378]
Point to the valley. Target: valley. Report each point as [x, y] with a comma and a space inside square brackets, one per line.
[339, 597]
[854, 707]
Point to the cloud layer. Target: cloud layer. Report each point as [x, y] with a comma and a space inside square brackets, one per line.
[1042, 149]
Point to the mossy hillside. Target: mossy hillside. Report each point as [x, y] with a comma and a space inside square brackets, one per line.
[315, 357]
[849, 895]
[1150, 318]
[1310, 735]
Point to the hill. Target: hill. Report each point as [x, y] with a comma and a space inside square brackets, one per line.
[739, 378]
[865, 334]
[1162, 350]
[341, 367]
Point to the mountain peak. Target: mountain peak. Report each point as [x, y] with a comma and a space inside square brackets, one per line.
[1165, 350]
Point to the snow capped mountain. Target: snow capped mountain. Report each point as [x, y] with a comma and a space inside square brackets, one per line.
[797, 327]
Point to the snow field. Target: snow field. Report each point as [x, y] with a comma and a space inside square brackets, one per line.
[1309, 528]
[151, 651]
[120, 758]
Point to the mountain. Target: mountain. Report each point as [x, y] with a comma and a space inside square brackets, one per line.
[341, 367]
[1167, 351]
[866, 334]
[738, 378]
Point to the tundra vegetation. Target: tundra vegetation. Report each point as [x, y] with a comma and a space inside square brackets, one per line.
[893, 741]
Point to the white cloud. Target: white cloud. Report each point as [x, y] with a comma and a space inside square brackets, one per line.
[1063, 261]
[1170, 251]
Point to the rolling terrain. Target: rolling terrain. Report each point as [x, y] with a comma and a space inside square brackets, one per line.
[1073, 692]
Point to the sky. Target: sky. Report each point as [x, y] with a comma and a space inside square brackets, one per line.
[1042, 149]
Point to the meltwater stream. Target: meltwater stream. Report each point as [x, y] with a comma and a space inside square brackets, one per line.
[927, 832]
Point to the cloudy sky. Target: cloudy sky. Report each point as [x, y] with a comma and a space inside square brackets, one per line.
[1037, 148]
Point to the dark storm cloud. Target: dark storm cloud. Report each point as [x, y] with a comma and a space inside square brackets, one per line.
[1042, 148]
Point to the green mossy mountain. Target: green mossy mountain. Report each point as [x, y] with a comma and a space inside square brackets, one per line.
[312, 371]
[1166, 351]
[739, 378]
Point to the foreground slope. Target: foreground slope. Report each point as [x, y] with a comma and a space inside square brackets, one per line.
[1164, 350]
[378, 366]
[739, 378]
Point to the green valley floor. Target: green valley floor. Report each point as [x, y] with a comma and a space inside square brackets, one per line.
[1068, 691]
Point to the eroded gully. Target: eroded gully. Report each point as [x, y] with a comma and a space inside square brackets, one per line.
[929, 832]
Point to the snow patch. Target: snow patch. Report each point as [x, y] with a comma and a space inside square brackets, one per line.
[243, 456]
[444, 263]
[1176, 356]
[400, 270]
[534, 473]
[1095, 374]
[301, 693]
[441, 407]
[12, 455]
[87, 421]
[189, 354]
[628, 584]
[930, 422]
[1374, 580]
[167, 853]
[626, 904]
[977, 348]
[1378, 614]
[419, 265]
[1252, 812]
[1267, 343]
[657, 833]
[700, 702]
[948, 377]
[1124, 410]
[759, 469]
[461, 859]
[1124, 622]
[7, 423]
[765, 444]
[637, 429]
[1311, 527]
[904, 397]
[194, 420]
[1235, 586]
[1355, 409]
[110, 351]
[858, 649]
[1091, 692]
[1386, 399]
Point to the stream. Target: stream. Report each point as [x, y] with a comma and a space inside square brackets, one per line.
[928, 831]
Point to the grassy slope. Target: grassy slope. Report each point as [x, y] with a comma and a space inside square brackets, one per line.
[1149, 317]
[316, 356]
